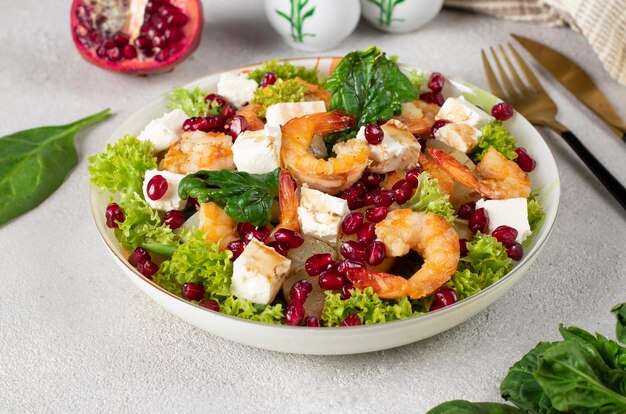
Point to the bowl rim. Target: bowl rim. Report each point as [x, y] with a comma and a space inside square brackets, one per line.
[464, 303]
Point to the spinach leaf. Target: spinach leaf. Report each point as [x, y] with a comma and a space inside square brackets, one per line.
[244, 197]
[620, 328]
[466, 407]
[613, 355]
[370, 86]
[574, 382]
[35, 162]
[520, 386]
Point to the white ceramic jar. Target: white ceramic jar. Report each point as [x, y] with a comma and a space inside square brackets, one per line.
[313, 25]
[400, 16]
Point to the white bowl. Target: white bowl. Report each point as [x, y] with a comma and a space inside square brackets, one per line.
[335, 341]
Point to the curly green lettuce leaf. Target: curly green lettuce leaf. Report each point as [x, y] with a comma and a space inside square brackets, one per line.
[535, 213]
[418, 79]
[619, 311]
[370, 308]
[285, 71]
[192, 102]
[121, 166]
[430, 199]
[242, 308]
[497, 136]
[281, 91]
[142, 224]
[486, 262]
[467, 407]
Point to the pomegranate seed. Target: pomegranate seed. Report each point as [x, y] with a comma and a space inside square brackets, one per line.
[280, 247]
[368, 200]
[228, 112]
[384, 199]
[219, 99]
[147, 268]
[432, 98]
[158, 22]
[129, 52]
[351, 320]
[360, 188]
[376, 253]
[259, 233]
[292, 239]
[438, 124]
[466, 210]
[331, 280]
[192, 203]
[436, 82]
[312, 321]
[81, 31]
[101, 52]
[173, 35]
[300, 291]
[269, 78]
[351, 223]
[403, 191]
[351, 195]
[294, 315]
[463, 247]
[444, 296]
[372, 180]
[413, 174]
[505, 235]
[152, 6]
[177, 20]
[345, 291]
[347, 266]
[502, 111]
[82, 12]
[120, 39]
[193, 291]
[108, 44]
[376, 214]
[167, 9]
[195, 124]
[244, 228]
[317, 263]
[515, 251]
[352, 249]
[479, 221]
[157, 187]
[366, 233]
[138, 255]
[114, 215]
[374, 134]
[114, 54]
[524, 161]
[162, 56]
[174, 219]
[214, 123]
[237, 125]
[143, 42]
[210, 304]
[236, 247]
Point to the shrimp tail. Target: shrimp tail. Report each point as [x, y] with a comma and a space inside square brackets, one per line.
[385, 285]
[334, 121]
[460, 172]
[288, 201]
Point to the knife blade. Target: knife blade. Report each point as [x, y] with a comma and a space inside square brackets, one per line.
[576, 80]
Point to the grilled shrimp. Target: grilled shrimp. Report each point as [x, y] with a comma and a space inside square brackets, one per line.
[216, 225]
[315, 91]
[445, 180]
[331, 175]
[499, 177]
[199, 150]
[251, 113]
[288, 201]
[429, 235]
[418, 116]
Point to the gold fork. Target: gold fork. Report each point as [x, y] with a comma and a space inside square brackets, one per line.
[532, 101]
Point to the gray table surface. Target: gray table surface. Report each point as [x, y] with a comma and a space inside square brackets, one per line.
[77, 336]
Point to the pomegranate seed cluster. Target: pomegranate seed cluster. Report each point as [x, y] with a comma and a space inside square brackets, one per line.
[226, 121]
[161, 34]
[284, 239]
[435, 84]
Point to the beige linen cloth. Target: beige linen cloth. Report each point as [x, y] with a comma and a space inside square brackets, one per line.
[602, 22]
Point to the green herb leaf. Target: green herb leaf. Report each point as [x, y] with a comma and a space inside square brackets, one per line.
[369, 86]
[574, 382]
[281, 91]
[244, 197]
[466, 407]
[620, 328]
[192, 102]
[35, 162]
[121, 167]
[429, 198]
[497, 136]
[284, 71]
[161, 249]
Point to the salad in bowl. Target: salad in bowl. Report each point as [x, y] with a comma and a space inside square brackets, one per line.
[355, 195]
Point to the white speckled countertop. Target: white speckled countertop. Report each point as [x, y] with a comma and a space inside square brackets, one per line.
[77, 336]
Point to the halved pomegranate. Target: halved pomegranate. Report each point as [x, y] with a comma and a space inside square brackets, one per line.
[136, 36]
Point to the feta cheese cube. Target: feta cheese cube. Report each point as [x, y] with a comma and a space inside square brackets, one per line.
[512, 212]
[164, 131]
[279, 114]
[397, 150]
[258, 273]
[462, 137]
[237, 89]
[170, 200]
[320, 214]
[458, 110]
[258, 152]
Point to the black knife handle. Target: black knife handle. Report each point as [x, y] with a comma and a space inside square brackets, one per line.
[615, 187]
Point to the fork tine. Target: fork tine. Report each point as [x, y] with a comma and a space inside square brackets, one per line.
[528, 73]
[521, 87]
[491, 77]
[505, 78]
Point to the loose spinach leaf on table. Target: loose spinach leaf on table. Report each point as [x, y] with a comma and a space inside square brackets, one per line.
[244, 197]
[466, 407]
[620, 328]
[35, 162]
